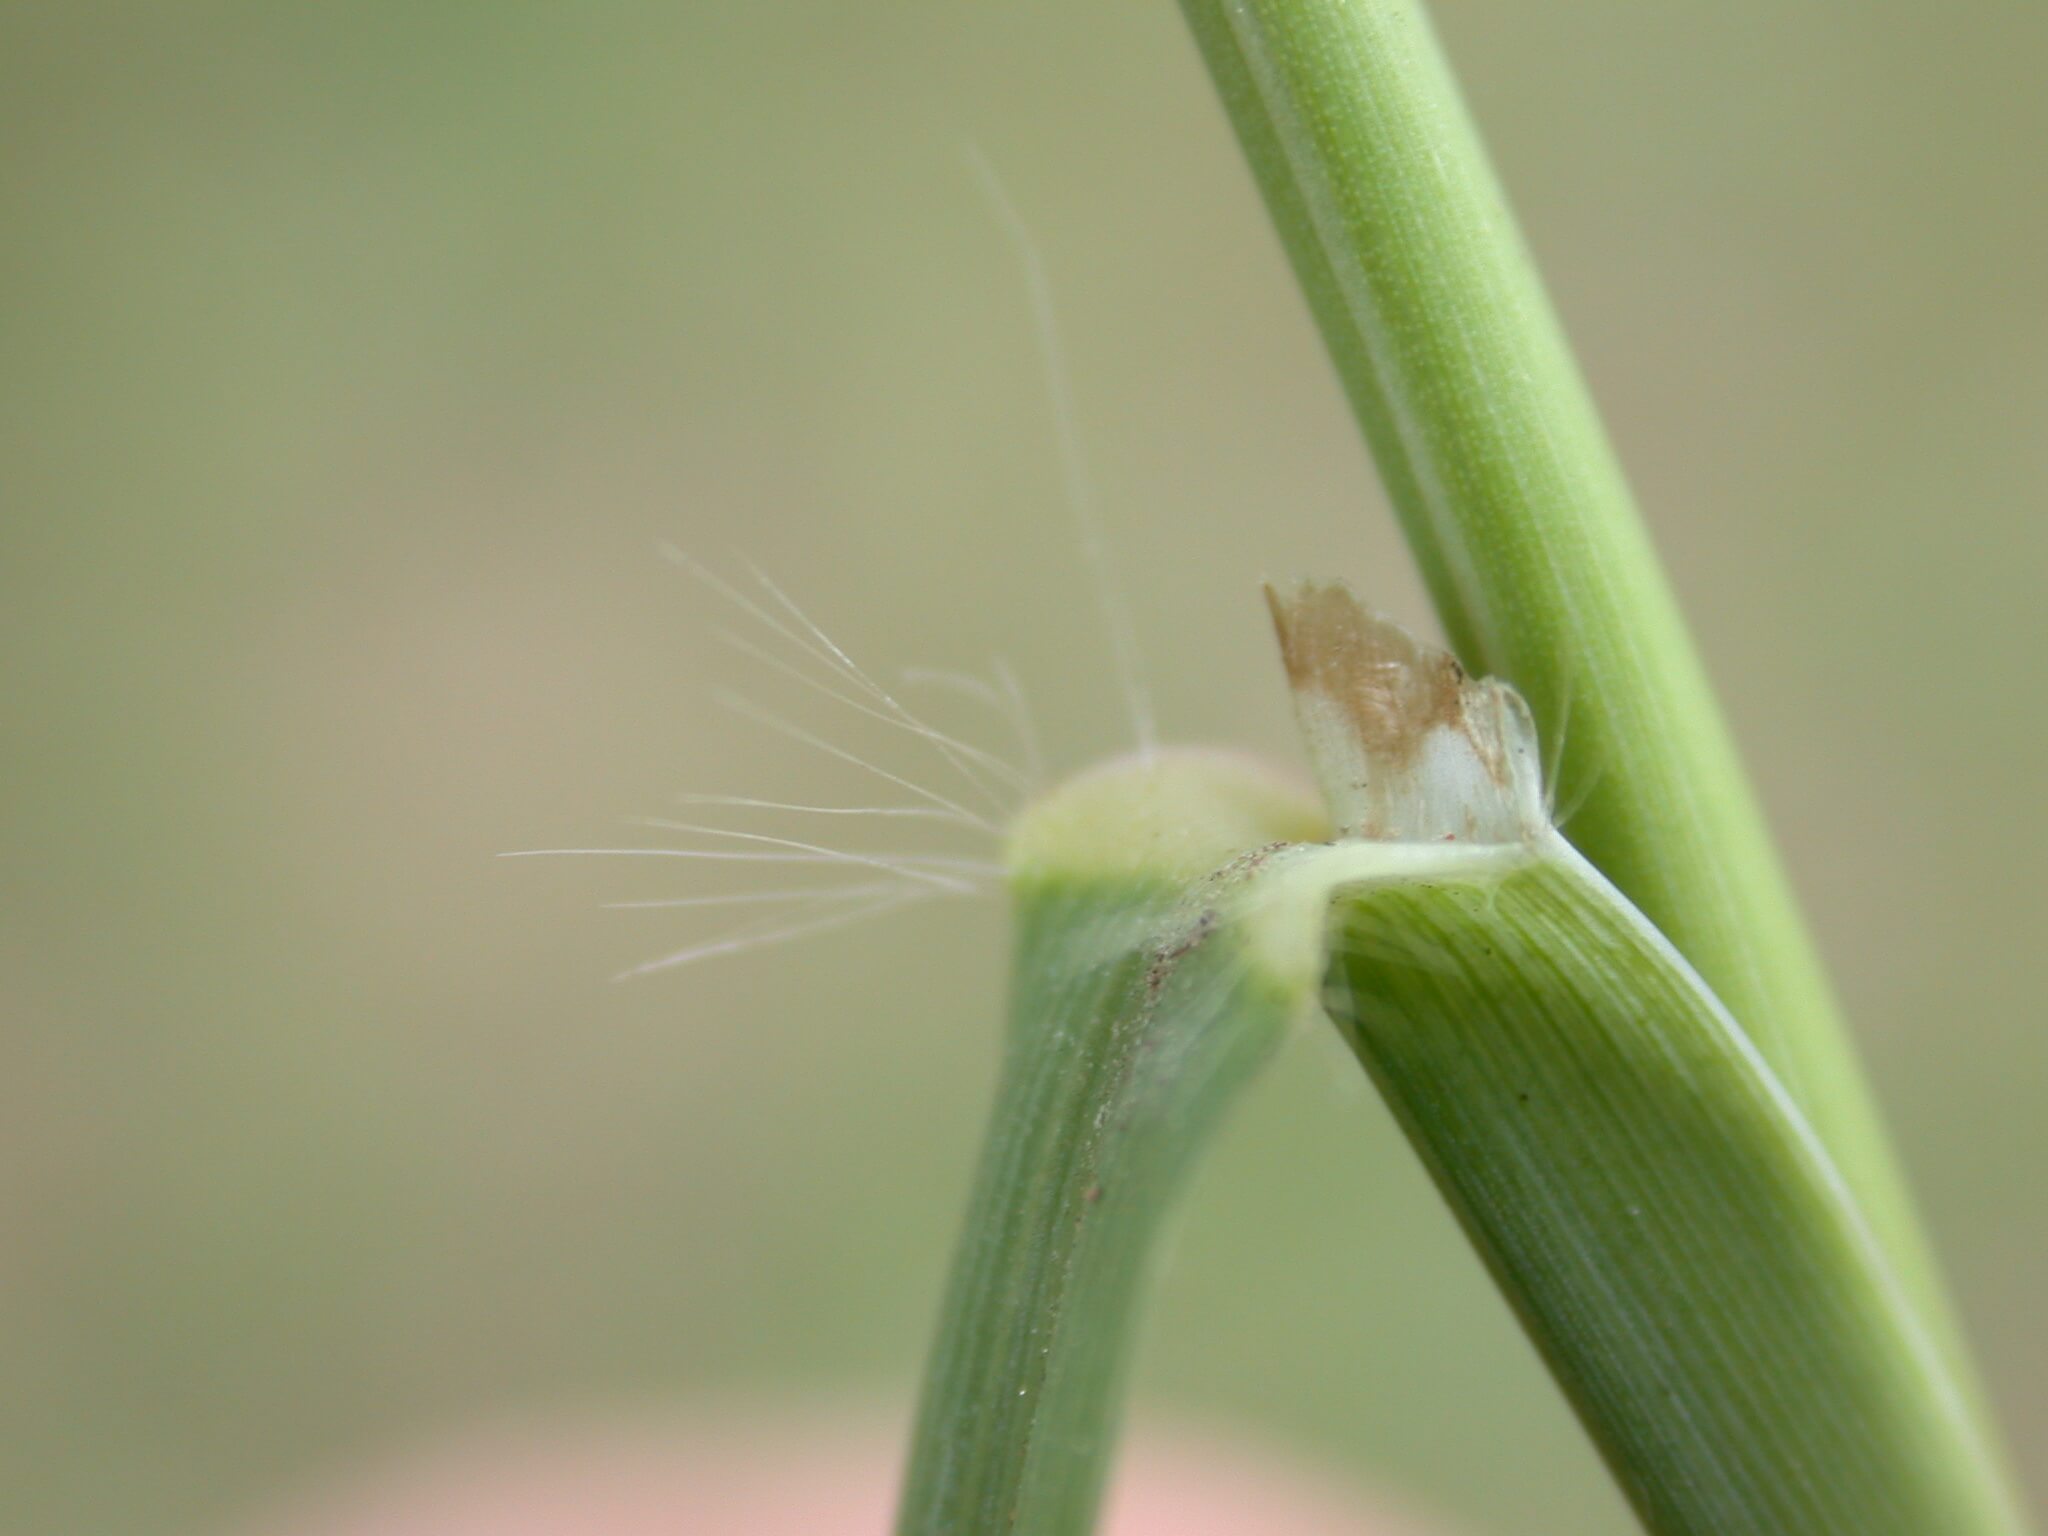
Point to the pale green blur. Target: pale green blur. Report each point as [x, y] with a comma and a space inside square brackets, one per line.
[354, 358]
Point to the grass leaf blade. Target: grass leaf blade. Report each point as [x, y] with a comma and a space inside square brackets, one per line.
[1671, 1232]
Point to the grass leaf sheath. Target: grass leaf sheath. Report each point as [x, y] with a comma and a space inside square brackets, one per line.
[1137, 1016]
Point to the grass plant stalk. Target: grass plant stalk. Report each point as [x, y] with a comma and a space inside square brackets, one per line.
[1515, 506]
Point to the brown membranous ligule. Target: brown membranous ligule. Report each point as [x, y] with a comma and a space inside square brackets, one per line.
[1392, 687]
[1407, 745]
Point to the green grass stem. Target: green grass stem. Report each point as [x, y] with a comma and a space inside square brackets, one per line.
[1518, 514]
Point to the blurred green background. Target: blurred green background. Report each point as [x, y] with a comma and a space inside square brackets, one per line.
[352, 360]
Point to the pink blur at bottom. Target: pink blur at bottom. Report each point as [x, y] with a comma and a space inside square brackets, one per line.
[811, 1478]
